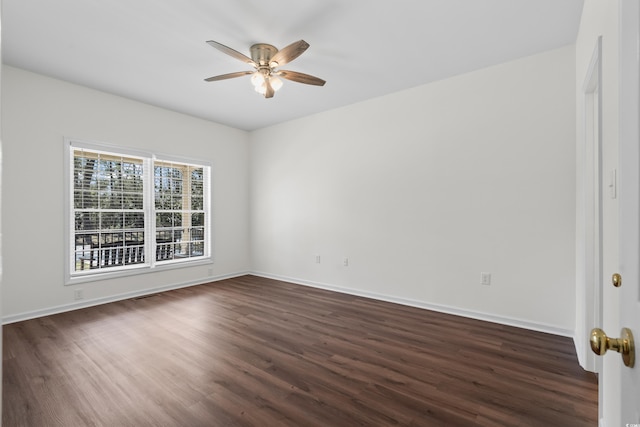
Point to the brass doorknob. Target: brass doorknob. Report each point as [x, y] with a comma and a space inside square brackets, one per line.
[624, 345]
[616, 280]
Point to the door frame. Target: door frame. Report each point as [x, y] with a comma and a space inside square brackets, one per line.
[589, 221]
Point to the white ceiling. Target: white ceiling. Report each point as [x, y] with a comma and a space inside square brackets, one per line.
[154, 51]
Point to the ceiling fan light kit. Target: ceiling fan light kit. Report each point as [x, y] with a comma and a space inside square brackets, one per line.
[265, 58]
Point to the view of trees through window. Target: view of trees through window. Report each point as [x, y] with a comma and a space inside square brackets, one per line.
[179, 207]
[110, 211]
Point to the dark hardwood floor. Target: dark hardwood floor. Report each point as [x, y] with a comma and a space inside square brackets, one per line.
[251, 351]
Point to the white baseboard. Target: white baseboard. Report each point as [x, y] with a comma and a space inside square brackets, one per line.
[519, 323]
[119, 297]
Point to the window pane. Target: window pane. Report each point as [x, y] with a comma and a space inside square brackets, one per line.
[134, 220]
[168, 187]
[86, 239]
[197, 249]
[115, 200]
[134, 237]
[161, 201]
[85, 199]
[197, 233]
[104, 174]
[176, 182]
[176, 202]
[197, 180]
[164, 251]
[181, 250]
[110, 220]
[164, 236]
[84, 173]
[132, 177]
[87, 220]
[197, 203]
[164, 219]
[111, 238]
[133, 201]
[197, 219]
[104, 199]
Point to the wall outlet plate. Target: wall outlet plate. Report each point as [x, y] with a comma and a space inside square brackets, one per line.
[485, 279]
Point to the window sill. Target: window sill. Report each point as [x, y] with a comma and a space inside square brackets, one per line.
[134, 271]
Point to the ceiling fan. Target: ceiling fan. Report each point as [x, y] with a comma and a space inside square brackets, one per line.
[265, 60]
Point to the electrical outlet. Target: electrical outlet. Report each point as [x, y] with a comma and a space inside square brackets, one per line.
[485, 279]
[345, 262]
[78, 294]
[210, 272]
[317, 259]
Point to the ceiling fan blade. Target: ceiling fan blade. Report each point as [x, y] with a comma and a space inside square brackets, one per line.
[289, 53]
[228, 76]
[232, 52]
[301, 78]
[270, 92]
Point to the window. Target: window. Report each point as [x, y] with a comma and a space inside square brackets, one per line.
[132, 211]
[179, 210]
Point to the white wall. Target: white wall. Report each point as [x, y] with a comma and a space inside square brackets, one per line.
[425, 189]
[37, 113]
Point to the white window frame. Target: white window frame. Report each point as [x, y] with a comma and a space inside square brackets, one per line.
[150, 264]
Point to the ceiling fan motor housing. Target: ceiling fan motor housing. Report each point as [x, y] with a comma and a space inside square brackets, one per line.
[261, 53]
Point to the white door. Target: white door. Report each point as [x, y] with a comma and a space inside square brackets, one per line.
[629, 203]
[619, 384]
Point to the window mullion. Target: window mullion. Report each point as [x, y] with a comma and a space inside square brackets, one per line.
[149, 212]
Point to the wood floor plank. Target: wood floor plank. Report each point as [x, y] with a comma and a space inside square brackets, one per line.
[251, 351]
